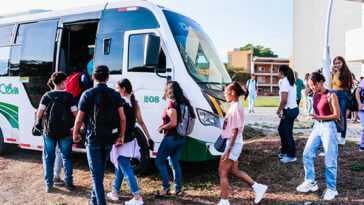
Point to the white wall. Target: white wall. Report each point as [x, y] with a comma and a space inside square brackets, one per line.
[309, 29]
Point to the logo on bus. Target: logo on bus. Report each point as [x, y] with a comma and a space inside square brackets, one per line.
[8, 89]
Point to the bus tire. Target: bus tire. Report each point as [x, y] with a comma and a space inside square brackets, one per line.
[3, 146]
[141, 167]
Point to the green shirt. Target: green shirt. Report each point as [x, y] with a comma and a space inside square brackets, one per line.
[299, 86]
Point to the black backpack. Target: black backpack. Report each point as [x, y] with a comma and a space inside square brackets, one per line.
[58, 119]
[130, 133]
[105, 119]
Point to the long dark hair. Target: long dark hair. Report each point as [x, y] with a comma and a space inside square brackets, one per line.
[345, 74]
[125, 83]
[238, 89]
[175, 93]
[288, 72]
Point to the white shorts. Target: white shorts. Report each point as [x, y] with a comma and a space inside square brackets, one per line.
[236, 149]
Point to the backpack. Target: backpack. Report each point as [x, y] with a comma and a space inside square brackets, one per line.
[73, 84]
[130, 133]
[340, 123]
[352, 103]
[249, 84]
[58, 118]
[105, 119]
[185, 126]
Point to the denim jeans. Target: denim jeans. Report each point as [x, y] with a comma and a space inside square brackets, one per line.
[170, 146]
[324, 133]
[65, 145]
[125, 170]
[285, 130]
[97, 157]
[252, 97]
[58, 164]
[361, 117]
[343, 97]
[310, 105]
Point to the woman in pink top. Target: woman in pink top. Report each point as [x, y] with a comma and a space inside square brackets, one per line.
[232, 131]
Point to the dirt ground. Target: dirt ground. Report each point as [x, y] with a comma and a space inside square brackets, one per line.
[22, 178]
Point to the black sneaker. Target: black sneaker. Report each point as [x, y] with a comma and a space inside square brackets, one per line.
[70, 186]
[361, 149]
[49, 189]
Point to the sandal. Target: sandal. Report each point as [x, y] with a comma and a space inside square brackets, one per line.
[159, 194]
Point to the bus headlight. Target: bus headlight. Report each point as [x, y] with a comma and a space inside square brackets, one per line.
[208, 118]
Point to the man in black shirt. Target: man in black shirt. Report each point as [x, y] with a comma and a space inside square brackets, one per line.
[57, 99]
[98, 146]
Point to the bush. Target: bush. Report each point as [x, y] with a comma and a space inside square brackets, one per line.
[236, 74]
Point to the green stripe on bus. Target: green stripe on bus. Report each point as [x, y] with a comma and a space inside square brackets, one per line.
[10, 118]
[195, 150]
[10, 112]
[10, 106]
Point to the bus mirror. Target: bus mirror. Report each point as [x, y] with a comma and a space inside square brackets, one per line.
[151, 50]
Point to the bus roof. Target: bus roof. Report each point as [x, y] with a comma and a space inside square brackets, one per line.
[22, 17]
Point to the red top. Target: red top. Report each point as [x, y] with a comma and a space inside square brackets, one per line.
[321, 104]
[173, 131]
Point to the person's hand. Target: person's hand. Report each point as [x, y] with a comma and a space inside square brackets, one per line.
[77, 137]
[360, 106]
[150, 144]
[333, 69]
[313, 116]
[225, 155]
[160, 130]
[119, 141]
[281, 116]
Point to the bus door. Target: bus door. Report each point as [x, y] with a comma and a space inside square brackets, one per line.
[35, 44]
[147, 85]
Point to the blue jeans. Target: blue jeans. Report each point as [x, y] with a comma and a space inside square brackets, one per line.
[310, 105]
[252, 97]
[343, 97]
[285, 130]
[324, 133]
[361, 117]
[49, 149]
[58, 164]
[170, 146]
[97, 157]
[125, 170]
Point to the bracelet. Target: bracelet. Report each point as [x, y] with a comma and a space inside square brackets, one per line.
[229, 147]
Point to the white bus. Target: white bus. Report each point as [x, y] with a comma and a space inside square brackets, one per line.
[138, 40]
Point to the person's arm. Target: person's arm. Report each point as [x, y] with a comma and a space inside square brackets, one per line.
[336, 110]
[303, 85]
[284, 97]
[172, 114]
[357, 96]
[230, 146]
[141, 122]
[120, 140]
[78, 123]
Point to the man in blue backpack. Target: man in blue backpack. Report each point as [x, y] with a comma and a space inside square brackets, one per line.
[252, 86]
[101, 108]
[55, 109]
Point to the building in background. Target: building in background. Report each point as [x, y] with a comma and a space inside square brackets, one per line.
[309, 20]
[354, 41]
[266, 72]
[240, 59]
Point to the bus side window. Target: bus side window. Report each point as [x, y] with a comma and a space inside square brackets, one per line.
[136, 55]
[5, 38]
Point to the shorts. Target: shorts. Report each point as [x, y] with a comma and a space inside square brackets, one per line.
[236, 149]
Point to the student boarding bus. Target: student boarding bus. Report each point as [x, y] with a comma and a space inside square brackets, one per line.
[138, 40]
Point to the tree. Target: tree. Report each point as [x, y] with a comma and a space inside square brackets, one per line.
[259, 51]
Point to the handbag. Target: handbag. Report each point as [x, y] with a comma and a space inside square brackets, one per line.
[220, 144]
[340, 123]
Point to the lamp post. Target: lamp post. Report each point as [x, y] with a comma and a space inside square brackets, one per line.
[326, 57]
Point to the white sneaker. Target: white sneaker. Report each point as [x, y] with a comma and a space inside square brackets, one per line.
[330, 194]
[133, 201]
[288, 159]
[281, 156]
[306, 186]
[224, 202]
[113, 196]
[342, 141]
[259, 190]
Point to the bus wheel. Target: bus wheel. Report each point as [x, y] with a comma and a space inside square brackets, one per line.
[3, 146]
[141, 167]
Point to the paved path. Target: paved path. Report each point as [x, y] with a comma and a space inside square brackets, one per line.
[265, 118]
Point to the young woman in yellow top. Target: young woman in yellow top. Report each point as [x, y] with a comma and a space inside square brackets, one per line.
[341, 84]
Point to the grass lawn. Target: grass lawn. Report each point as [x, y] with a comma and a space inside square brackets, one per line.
[263, 102]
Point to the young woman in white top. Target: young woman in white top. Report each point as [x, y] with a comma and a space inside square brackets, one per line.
[120, 156]
[287, 111]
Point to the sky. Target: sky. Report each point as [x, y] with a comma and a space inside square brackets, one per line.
[229, 23]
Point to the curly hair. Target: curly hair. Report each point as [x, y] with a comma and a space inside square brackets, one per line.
[316, 77]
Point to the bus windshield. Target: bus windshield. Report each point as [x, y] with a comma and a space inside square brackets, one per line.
[197, 51]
